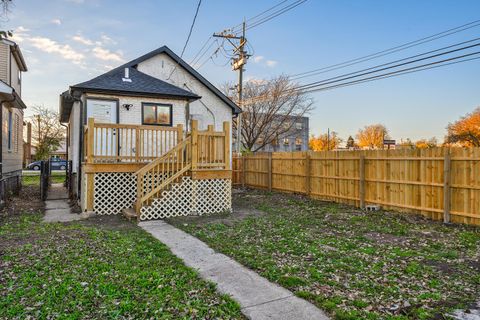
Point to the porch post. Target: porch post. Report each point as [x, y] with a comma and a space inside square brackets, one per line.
[90, 158]
[226, 148]
[194, 144]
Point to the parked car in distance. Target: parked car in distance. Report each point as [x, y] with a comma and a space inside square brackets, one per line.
[54, 163]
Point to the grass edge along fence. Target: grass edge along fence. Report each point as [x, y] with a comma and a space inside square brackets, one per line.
[440, 183]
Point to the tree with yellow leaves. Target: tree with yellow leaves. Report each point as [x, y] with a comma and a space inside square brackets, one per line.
[426, 144]
[372, 136]
[324, 142]
[465, 131]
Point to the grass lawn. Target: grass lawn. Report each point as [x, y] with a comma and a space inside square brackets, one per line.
[352, 264]
[32, 178]
[103, 268]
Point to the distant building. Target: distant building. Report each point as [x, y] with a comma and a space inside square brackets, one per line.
[296, 139]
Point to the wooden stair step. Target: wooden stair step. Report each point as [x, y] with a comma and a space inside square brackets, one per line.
[129, 213]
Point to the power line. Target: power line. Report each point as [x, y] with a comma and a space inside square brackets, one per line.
[189, 35]
[261, 13]
[427, 66]
[318, 84]
[201, 49]
[276, 14]
[259, 21]
[376, 68]
[387, 51]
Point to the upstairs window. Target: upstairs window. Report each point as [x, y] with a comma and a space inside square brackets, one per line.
[157, 114]
[10, 130]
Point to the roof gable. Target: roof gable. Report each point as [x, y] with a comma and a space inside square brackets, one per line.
[134, 63]
[140, 84]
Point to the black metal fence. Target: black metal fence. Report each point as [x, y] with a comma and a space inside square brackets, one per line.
[45, 172]
[9, 186]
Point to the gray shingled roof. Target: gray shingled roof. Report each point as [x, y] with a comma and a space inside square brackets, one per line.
[141, 84]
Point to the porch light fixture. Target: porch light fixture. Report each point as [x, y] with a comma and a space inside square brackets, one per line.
[127, 106]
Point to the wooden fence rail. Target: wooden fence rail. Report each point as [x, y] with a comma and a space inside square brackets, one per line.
[441, 183]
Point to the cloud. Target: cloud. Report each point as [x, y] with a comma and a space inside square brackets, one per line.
[107, 40]
[107, 55]
[258, 59]
[56, 21]
[83, 40]
[76, 1]
[19, 34]
[51, 46]
[271, 63]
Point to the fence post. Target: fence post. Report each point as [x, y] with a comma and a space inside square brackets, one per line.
[270, 171]
[194, 144]
[244, 173]
[90, 159]
[446, 186]
[362, 181]
[226, 148]
[179, 133]
[137, 144]
[90, 137]
[307, 173]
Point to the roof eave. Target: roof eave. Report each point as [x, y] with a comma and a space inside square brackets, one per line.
[193, 97]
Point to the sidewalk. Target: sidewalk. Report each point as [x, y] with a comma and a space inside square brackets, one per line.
[258, 298]
[57, 208]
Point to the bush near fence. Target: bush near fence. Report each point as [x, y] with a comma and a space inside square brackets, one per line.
[441, 183]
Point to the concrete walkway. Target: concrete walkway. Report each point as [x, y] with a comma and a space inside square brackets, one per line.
[258, 298]
[472, 313]
[57, 208]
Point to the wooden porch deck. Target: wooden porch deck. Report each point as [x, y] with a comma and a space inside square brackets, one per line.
[154, 151]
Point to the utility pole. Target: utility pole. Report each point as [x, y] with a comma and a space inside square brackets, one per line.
[238, 61]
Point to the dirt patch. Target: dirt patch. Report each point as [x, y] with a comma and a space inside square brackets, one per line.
[238, 214]
[112, 222]
[384, 238]
[27, 201]
[441, 266]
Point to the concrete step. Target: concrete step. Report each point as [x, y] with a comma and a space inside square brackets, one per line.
[129, 213]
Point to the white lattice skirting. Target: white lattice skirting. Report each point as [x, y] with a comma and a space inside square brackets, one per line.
[117, 191]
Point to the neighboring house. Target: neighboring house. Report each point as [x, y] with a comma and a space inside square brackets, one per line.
[142, 113]
[12, 64]
[61, 152]
[296, 139]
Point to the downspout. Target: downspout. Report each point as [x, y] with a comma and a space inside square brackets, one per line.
[67, 140]
[206, 107]
[1, 133]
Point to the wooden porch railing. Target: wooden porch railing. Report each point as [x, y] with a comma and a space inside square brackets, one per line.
[113, 143]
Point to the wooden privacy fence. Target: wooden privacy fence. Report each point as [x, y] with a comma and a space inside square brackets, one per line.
[441, 183]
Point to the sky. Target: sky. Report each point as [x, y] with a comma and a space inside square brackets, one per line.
[70, 41]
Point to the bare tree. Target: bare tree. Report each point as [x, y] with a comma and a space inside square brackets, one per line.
[270, 110]
[4, 11]
[47, 132]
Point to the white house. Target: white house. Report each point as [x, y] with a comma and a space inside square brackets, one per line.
[141, 114]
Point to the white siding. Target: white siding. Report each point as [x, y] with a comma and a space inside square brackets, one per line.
[210, 107]
[14, 73]
[4, 56]
[13, 158]
[134, 115]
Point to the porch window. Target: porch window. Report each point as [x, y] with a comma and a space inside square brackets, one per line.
[157, 114]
